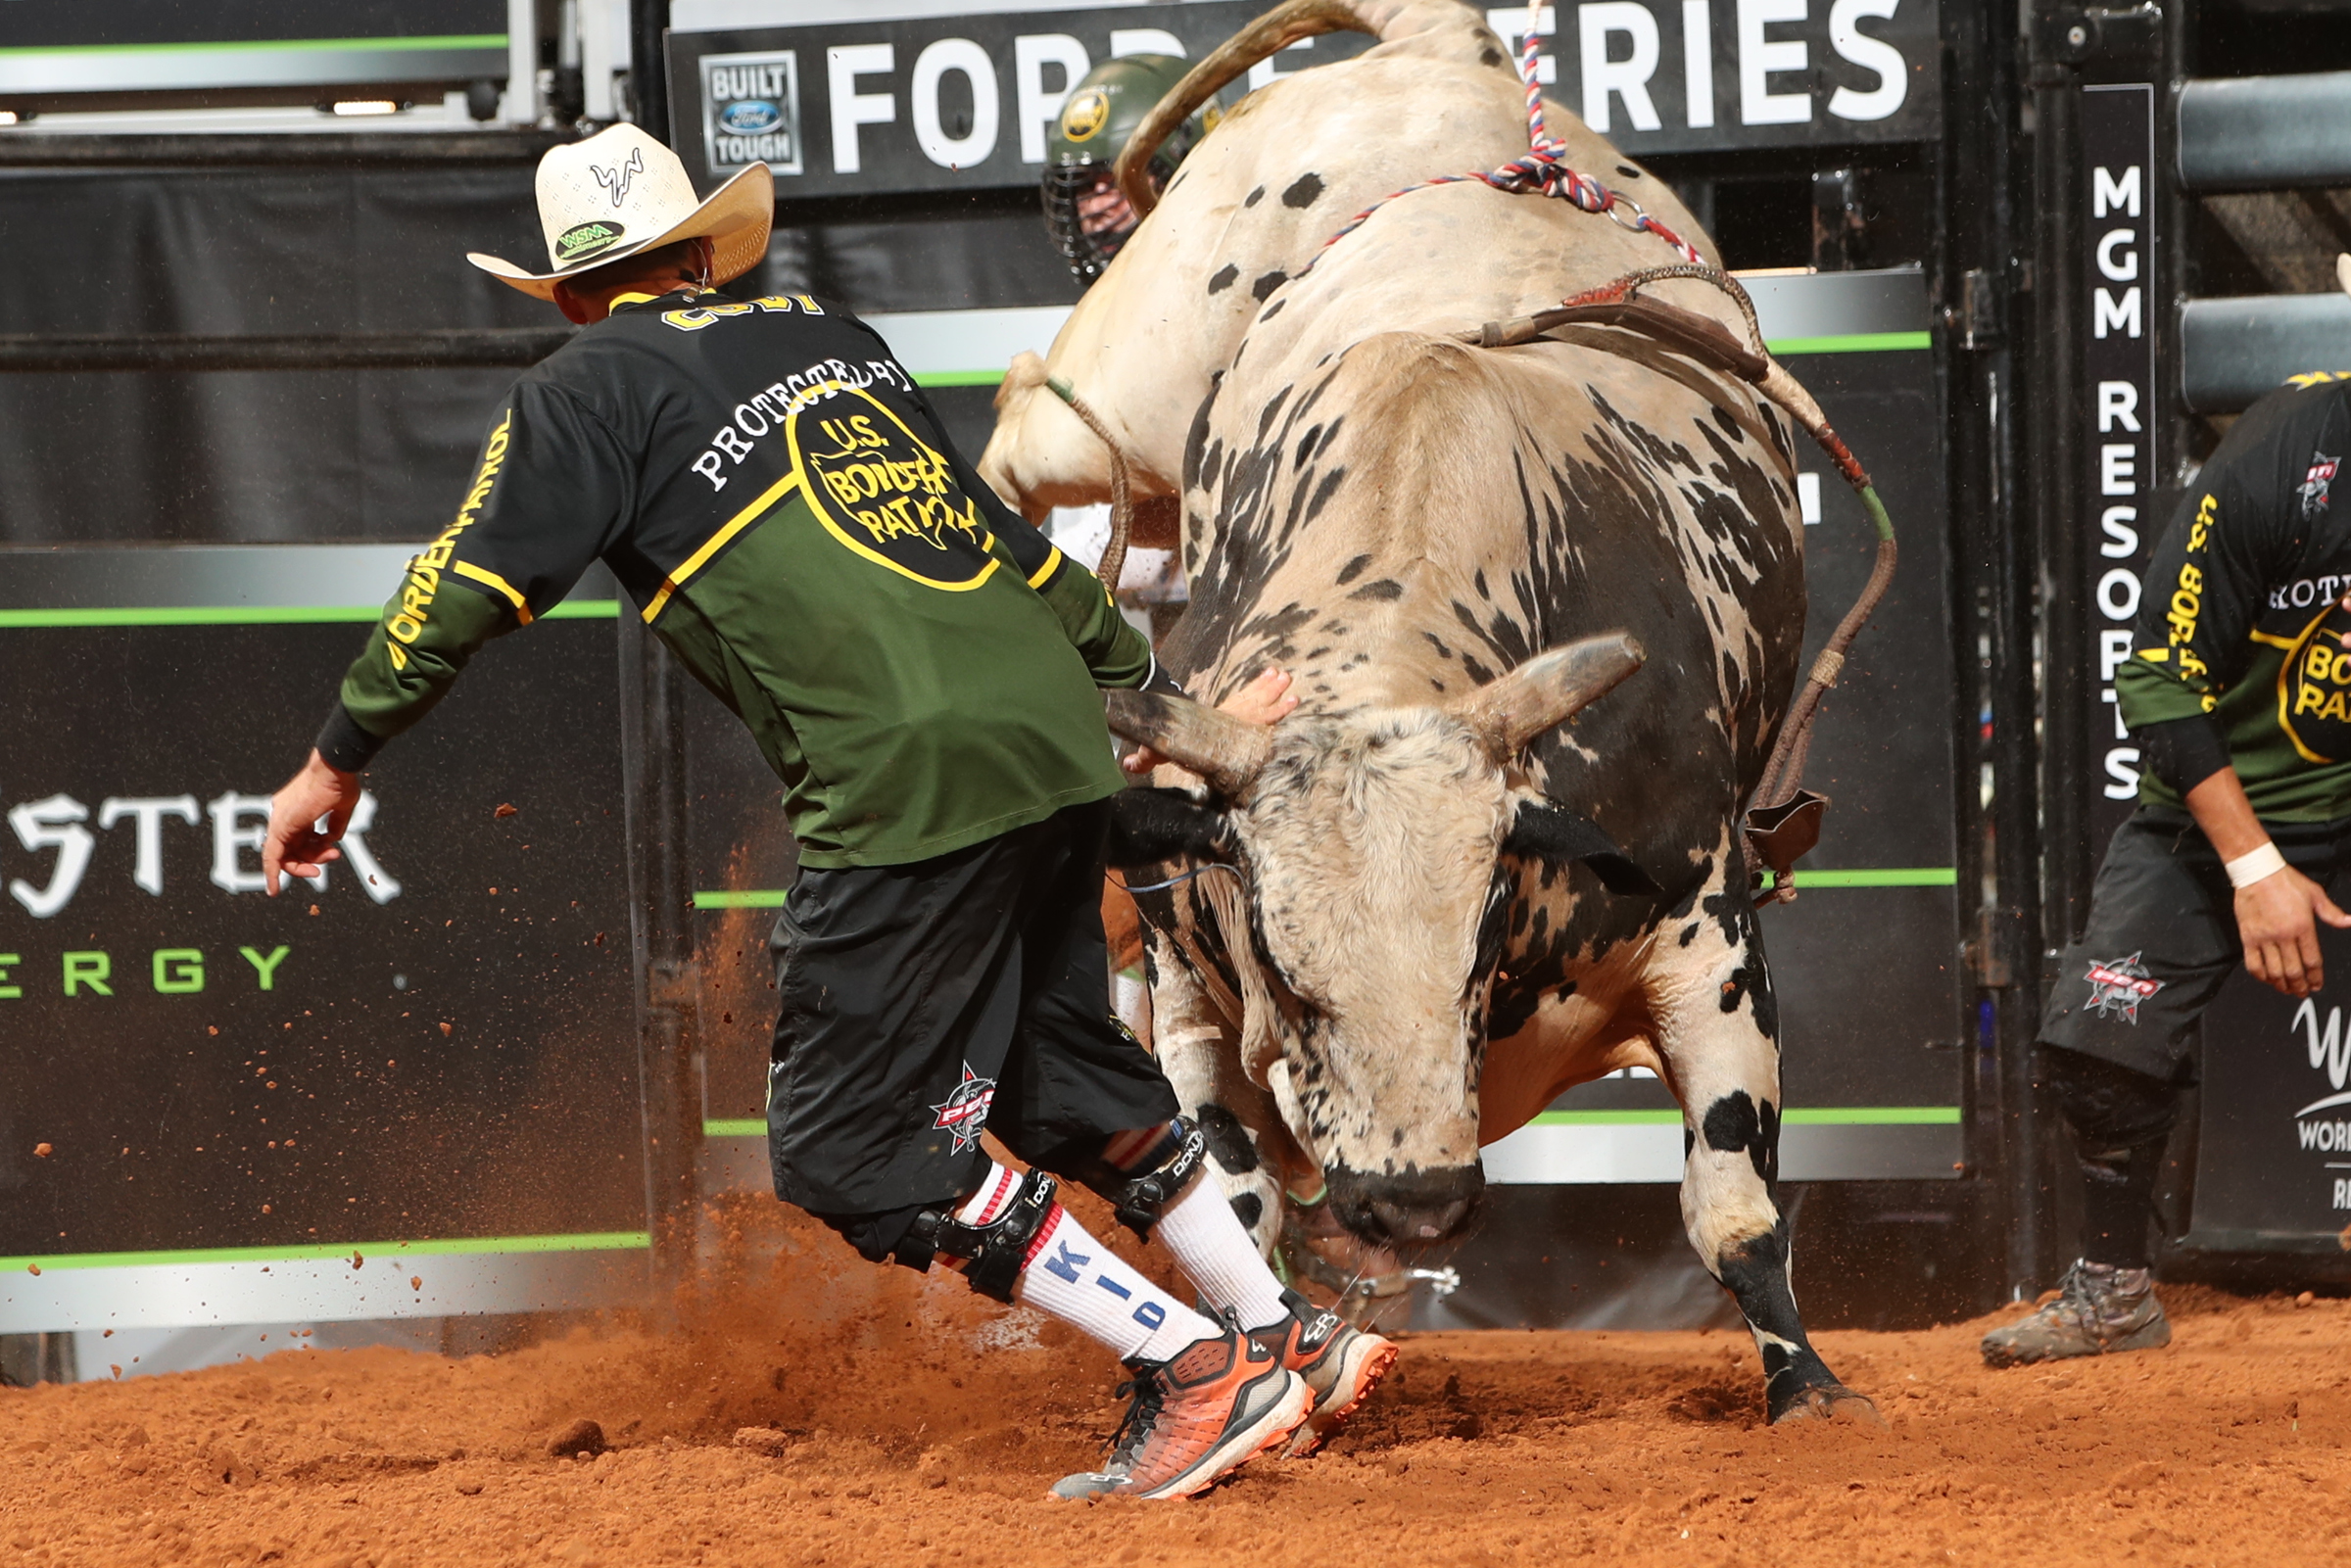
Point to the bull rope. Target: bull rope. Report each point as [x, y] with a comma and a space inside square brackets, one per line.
[1113, 564]
[1542, 171]
[1785, 824]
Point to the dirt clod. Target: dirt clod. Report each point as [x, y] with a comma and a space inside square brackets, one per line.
[765, 1440]
[583, 1439]
[506, 809]
[42, 1150]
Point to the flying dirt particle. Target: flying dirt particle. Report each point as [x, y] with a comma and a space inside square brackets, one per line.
[313, 909]
[33, 1268]
[582, 1440]
[599, 938]
[447, 1029]
[265, 1209]
[107, 1334]
[493, 892]
[212, 1028]
[113, 1368]
[2305, 1299]
[506, 809]
[43, 1150]
[416, 1282]
[765, 1440]
[356, 1259]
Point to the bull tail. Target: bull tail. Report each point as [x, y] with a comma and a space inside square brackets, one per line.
[1262, 40]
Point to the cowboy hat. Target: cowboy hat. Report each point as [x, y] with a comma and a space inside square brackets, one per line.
[620, 192]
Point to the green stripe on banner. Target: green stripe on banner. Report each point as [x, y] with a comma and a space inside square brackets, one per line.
[1851, 342]
[602, 1241]
[957, 378]
[447, 40]
[592, 609]
[741, 898]
[735, 1127]
[1879, 1115]
[1879, 876]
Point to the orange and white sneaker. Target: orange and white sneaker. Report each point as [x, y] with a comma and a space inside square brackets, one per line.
[1195, 1419]
[1341, 1363]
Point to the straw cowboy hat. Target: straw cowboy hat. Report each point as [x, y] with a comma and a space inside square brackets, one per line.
[620, 192]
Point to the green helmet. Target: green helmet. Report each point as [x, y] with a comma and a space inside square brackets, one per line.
[1084, 211]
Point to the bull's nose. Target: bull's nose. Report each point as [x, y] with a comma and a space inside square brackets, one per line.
[1410, 1207]
[1410, 1224]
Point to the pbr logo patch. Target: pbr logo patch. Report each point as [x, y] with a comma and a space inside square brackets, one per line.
[2117, 986]
[880, 490]
[964, 1112]
[2316, 483]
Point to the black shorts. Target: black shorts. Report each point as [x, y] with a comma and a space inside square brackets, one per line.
[923, 1002]
[2162, 938]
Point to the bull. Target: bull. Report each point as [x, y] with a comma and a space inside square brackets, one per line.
[1462, 877]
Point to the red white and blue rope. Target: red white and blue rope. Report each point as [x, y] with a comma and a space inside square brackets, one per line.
[1542, 171]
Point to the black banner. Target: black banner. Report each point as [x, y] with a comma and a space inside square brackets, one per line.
[77, 24]
[2119, 413]
[439, 1042]
[2275, 1172]
[960, 103]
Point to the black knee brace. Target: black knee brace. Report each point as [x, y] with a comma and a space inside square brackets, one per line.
[1141, 1199]
[992, 1253]
[2121, 1120]
[2110, 1109]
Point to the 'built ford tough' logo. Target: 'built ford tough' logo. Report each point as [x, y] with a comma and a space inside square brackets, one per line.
[751, 112]
[881, 491]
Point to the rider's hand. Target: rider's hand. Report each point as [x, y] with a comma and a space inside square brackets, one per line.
[295, 846]
[2275, 918]
[1266, 700]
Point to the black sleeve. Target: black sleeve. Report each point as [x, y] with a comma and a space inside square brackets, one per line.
[2183, 752]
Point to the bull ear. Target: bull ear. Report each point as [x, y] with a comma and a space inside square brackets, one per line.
[1545, 691]
[1151, 826]
[1225, 751]
[1542, 830]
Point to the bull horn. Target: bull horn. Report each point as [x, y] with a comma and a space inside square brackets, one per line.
[1227, 751]
[1262, 40]
[1548, 689]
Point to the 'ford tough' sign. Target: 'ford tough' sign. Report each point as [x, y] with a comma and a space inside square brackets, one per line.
[966, 102]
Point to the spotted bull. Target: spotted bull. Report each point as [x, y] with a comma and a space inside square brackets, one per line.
[1545, 605]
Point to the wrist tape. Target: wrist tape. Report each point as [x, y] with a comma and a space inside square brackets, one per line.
[2254, 864]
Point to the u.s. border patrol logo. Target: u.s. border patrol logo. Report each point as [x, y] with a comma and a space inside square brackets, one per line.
[1085, 115]
[2117, 986]
[2314, 688]
[880, 490]
[964, 1112]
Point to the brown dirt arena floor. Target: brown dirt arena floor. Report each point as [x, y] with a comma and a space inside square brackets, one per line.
[915, 1425]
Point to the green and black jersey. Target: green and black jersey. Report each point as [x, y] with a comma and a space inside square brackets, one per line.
[918, 664]
[2243, 607]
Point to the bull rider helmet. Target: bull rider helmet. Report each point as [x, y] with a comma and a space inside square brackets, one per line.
[1086, 215]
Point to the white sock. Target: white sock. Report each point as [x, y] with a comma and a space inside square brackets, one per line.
[1212, 1246]
[1072, 1276]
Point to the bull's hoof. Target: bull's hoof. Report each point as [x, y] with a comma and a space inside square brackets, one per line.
[1836, 1403]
